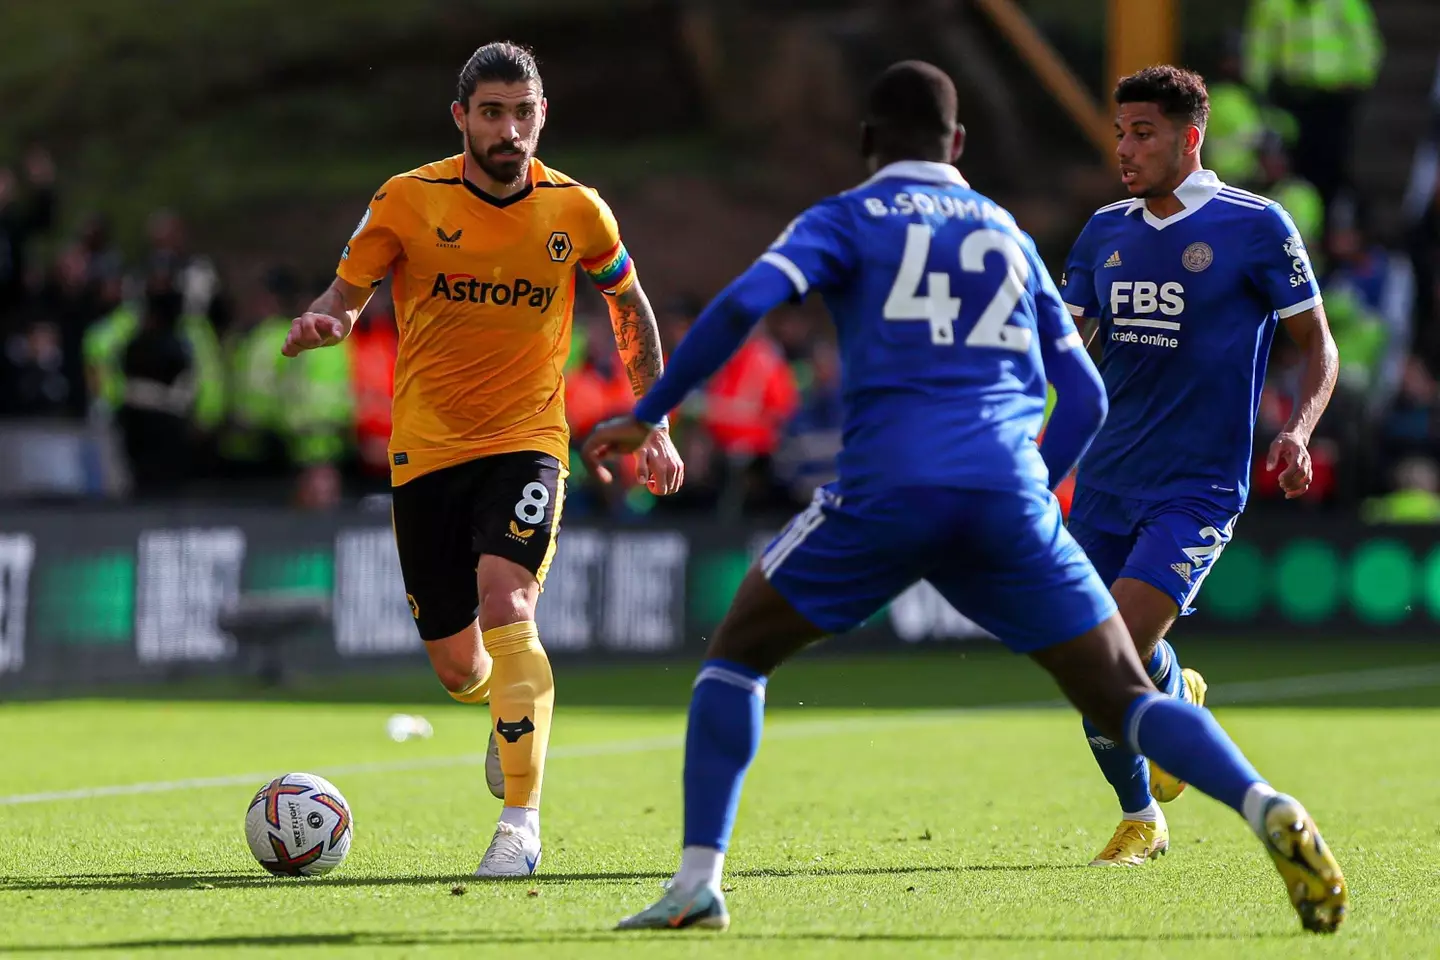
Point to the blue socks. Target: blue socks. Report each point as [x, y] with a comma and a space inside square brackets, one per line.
[1186, 741]
[1164, 669]
[727, 710]
[1128, 773]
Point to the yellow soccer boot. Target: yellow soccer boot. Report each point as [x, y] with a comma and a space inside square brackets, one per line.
[1311, 874]
[1134, 842]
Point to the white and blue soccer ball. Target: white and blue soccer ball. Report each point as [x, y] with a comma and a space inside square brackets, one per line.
[299, 825]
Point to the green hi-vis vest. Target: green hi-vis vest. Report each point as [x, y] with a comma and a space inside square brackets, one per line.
[317, 404]
[1317, 44]
[1233, 134]
[1302, 201]
[1360, 336]
[209, 371]
[253, 368]
[1403, 506]
[103, 348]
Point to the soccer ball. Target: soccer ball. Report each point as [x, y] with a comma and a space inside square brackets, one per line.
[299, 825]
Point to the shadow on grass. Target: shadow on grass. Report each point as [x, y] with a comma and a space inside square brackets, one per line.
[232, 880]
[375, 939]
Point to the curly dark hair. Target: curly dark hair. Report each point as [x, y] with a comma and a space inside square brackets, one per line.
[503, 61]
[1180, 94]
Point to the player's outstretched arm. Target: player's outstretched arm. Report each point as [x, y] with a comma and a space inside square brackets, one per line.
[1080, 405]
[637, 338]
[1320, 366]
[329, 319]
[716, 335]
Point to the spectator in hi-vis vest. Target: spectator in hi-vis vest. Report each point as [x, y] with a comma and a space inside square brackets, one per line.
[1316, 58]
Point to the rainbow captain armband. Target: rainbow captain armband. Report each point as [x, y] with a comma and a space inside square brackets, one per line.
[611, 270]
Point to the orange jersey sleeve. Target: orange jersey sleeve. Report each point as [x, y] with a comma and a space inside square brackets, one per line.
[603, 256]
[375, 245]
[484, 292]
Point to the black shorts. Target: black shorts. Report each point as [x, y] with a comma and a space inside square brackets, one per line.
[507, 505]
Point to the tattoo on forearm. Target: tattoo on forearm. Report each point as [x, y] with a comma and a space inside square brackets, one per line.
[637, 338]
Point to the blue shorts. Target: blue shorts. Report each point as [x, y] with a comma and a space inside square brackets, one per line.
[1169, 544]
[1003, 559]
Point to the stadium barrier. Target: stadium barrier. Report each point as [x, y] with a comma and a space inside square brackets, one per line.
[92, 596]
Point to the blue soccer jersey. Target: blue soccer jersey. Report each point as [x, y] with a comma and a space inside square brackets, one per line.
[947, 324]
[1187, 308]
[940, 303]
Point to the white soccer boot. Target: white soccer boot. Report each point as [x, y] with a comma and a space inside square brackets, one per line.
[513, 853]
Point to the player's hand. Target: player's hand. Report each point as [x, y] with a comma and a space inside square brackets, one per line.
[658, 464]
[618, 435]
[311, 330]
[1290, 451]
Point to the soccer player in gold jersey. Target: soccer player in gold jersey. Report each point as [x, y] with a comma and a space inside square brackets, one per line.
[484, 248]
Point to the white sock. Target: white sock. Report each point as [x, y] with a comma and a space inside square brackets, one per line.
[1253, 806]
[1149, 814]
[522, 818]
[699, 865]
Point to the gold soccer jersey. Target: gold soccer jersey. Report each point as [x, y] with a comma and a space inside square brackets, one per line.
[484, 293]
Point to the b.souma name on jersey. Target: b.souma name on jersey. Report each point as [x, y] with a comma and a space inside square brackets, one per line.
[941, 305]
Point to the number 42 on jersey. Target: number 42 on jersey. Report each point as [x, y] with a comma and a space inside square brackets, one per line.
[938, 308]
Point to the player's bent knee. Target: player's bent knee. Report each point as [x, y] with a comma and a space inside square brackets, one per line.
[1148, 612]
[761, 630]
[508, 592]
[459, 659]
[454, 680]
[1100, 673]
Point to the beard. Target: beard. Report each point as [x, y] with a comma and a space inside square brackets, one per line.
[1161, 184]
[506, 168]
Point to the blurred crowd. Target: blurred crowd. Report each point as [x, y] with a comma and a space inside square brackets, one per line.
[1284, 104]
[185, 372]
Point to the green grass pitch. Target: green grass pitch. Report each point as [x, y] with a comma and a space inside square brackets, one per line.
[878, 820]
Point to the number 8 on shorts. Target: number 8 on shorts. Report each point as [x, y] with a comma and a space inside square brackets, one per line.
[531, 507]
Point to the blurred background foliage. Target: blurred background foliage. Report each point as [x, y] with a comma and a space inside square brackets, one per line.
[254, 118]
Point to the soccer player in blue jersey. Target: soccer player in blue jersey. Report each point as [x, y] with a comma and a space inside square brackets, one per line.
[1185, 283]
[948, 327]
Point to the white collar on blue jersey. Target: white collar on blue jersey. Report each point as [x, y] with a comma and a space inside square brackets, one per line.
[925, 171]
[1193, 193]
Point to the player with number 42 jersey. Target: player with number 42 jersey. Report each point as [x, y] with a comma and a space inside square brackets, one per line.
[949, 328]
